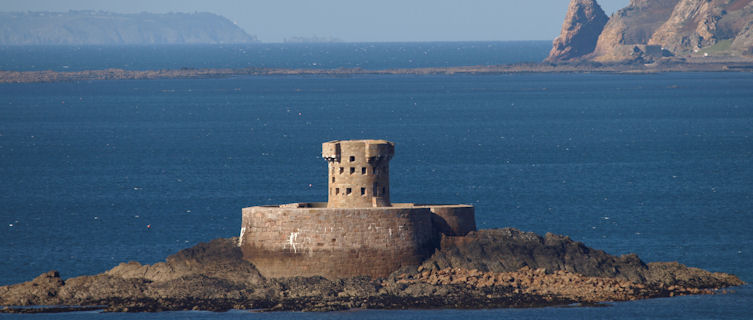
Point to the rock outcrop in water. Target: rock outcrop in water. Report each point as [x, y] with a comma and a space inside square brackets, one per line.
[105, 28]
[485, 269]
[583, 23]
[651, 30]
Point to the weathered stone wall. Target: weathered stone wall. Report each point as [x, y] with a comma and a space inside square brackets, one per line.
[358, 232]
[307, 240]
[453, 220]
[358, 173]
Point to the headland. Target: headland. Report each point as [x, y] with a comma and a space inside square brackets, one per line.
[644, 37]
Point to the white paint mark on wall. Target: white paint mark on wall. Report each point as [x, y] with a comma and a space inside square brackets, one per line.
[292, 239]
[240, 239]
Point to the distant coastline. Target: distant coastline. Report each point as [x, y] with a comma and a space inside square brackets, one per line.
[90, 27]
[668, 65]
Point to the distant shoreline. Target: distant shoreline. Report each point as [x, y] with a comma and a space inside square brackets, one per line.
[207, 73]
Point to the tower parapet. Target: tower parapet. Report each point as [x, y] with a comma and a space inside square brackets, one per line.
[359, 174]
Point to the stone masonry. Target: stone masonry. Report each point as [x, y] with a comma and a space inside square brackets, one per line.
[358, 232]
[358, 173]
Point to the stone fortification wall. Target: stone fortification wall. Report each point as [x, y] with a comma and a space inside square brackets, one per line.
[358, 173]
[453, 220]
[335, 243]
[358, 231]
[309, 239]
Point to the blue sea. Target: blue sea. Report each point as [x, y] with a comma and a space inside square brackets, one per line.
[95, 173]
[280, 55]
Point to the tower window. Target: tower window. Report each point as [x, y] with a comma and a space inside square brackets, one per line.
[384, 191]
[333, 179]
[341, 170]
[348, 191]
[363, 191]
[363, 170]
[352, 170]
[337, 190]
[352, 158]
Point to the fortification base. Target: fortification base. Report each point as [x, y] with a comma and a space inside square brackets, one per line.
[309, 239]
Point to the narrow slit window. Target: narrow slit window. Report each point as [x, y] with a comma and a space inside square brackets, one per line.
[384, 190]
[348, 191]
[363, 191]
[352, 170]
[333, 179]
[337, 190]
[363, 170]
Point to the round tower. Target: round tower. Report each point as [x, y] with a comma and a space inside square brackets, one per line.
[359, 175]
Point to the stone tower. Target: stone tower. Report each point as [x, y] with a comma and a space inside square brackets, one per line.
[358, 232]
[359, 174]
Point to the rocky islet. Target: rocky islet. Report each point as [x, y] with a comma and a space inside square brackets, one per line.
[495, 268]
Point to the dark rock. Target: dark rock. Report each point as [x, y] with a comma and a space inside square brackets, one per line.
[675, 274]
[213, 276]
[43, 290]
[507, 250]
[220, 258]
[87, 290]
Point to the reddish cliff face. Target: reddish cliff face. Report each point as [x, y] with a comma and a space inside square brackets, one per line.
[646, 30]
[633, 25]
[693, 24]
[584, 21]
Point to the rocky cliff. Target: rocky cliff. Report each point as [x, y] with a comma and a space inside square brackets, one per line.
[583, 23]
[103, 28]
[485, 269]
[650, 30]
[631, 28]
[744, 40]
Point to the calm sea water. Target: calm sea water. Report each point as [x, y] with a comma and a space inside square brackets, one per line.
[660, 165]
[313, 55]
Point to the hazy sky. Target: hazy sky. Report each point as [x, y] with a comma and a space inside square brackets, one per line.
[357, 20]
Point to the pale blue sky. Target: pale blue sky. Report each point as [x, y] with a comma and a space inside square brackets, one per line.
[358, 20]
